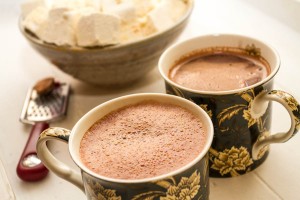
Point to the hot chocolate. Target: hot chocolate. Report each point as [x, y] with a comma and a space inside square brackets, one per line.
[219, 70]
[143, 140]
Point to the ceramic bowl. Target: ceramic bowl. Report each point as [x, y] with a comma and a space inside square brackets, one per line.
[112, 65]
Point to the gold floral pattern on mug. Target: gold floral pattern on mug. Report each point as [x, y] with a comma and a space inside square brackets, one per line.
[205, 108]
[230, 161]
[292, 104]
[253, 50]
[175, 91]
[297, 120]
[263, 135]
[263, 151]
[98, 192]
[186, 188]
[180, 94]
[56, 132]
[252, 118]
[228, 113]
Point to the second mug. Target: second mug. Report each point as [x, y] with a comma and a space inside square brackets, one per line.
[231, 77]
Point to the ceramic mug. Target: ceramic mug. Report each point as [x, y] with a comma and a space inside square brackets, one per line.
[189, 182]
[241, 117]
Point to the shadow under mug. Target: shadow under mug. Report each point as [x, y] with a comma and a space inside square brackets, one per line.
[189, 182]
[241, 117]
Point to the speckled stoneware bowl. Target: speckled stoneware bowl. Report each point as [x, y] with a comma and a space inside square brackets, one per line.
[113, 65]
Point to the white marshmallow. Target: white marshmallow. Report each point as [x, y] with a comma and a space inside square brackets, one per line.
[75, 15]
[126, 11]
[71, 4]
[58, 28]
[143, 7]
[35, 19]
[97, 4]
[177, 8]
[166, 13]
[98, 29]
[108, 5]
[28, 6]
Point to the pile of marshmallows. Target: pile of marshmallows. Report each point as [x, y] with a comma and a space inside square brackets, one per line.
[90, 23]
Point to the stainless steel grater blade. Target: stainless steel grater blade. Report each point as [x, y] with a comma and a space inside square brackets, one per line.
[45, 108]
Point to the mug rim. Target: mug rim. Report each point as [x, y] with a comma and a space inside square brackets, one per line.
[225, 92]
[204, 117]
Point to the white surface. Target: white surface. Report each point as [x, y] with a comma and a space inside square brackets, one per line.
[21, 66]
[6, 192]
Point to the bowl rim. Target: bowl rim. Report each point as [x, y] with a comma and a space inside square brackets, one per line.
[37, 41]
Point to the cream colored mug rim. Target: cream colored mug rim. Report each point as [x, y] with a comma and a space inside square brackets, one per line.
[227, 92]
[201, 112]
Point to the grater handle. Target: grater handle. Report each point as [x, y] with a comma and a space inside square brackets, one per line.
[30, 168]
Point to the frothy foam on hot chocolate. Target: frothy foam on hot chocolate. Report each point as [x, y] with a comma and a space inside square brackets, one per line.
[142, 141]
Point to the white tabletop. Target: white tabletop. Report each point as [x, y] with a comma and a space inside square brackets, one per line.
[277, 24]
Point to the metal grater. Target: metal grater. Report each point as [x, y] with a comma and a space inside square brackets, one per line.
[39, 110]
[45, 108]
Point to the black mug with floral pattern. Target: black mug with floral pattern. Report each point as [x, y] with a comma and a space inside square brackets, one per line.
[189, 182]
[241, 117]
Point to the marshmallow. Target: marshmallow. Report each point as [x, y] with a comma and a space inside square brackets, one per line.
[108, 5]
[97, 4]
[58, 28]
[97, 29]
[147, 27]
[28, 6]
[126, 11]
[71, 4]
[177, 8]
[143, 7]
[35, 19]
[75, 15]
[166, 13]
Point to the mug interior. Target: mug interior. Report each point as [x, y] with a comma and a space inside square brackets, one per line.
[100, 111]
[169, 58]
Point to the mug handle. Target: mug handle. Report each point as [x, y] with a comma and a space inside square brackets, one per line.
[52, 163]
[260, 105]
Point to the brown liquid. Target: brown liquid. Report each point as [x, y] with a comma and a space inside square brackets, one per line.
[219, 71]
[142, 141]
